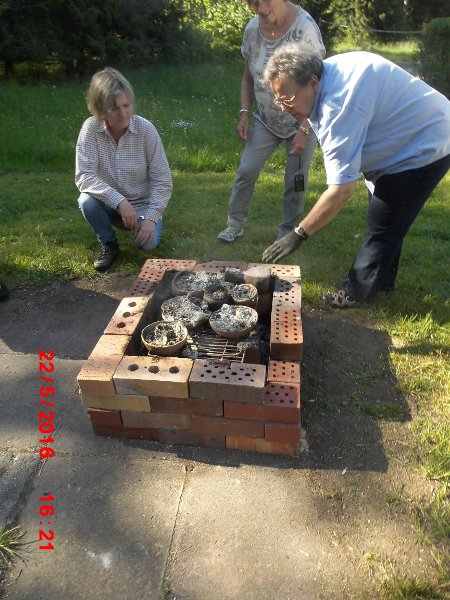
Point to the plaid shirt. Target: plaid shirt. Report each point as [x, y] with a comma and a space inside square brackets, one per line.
[135, 169]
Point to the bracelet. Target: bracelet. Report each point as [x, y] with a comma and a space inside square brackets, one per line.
[301, 233]
[244, 110]
[305, 130]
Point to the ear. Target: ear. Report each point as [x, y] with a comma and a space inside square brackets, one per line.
[314, 82]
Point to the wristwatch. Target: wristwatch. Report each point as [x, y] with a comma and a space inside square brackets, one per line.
[301, 233]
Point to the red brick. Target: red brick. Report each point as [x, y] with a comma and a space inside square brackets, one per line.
[155, 420]
[283, 371]
[187, 438]
[284, 396]
[96, 376]
[239, 382]
[128, 432]
[166, 264]
[221, 426]
[142, 287]
[128, 316]
[153, 376]
[105, 418]
[216, 265]
[286, 334]
[117, 402]
[187, 406]
[281, 403]
[260, 445]
[280, 270]
[287, 292]
[287, 433]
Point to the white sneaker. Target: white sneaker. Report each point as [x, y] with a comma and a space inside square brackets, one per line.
[230, 234]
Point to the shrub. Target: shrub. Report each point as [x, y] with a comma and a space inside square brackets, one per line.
[435, 55]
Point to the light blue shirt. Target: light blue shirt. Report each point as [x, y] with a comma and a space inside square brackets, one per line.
[373, 117]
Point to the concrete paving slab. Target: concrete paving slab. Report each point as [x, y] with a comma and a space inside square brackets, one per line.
[19, 396]
[113, 526]
[250, 532]
[15, 477]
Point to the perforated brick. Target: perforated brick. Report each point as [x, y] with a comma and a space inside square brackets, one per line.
[260, 445]
[239, 382]
[155, 420]
[148, 279]
[287, 292]
[280, 270]
[283, 395]
[153, 376]
[142, 287]
[286, 334]
[216, 265]
[166, 264]
[128, 316]
[283, 371]
[96, 376]
[105, 418]
[221, 426]
[187, 406]
[117, 402]
[281, 404]
[288, 433]
[187, 438]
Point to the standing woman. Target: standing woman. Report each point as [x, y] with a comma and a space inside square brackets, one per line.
[275, 23]
[121, 168]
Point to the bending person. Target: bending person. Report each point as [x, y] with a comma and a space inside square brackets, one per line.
[276, 23]
[373, 117]
[121, 168]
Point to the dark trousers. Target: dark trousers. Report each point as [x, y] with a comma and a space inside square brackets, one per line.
[393, 207]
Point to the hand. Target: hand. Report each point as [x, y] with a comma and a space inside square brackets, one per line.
[299, 143]
[242, 128]
[128, 214]
[282, 247]
[144, 232]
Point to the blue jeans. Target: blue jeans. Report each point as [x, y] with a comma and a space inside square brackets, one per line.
[102, 219]
[393, 207]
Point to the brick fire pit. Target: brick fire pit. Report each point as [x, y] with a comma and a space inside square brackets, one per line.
[239, 399]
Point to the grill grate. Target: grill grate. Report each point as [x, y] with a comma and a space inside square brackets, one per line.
[206, 344]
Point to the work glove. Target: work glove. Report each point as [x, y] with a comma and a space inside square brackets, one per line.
[282, 247]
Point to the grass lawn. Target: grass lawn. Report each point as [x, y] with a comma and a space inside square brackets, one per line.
[44, 237]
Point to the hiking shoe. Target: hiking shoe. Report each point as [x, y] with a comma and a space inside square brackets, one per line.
[230, 234]
[340, 300]
[107, 255]
[4, 292]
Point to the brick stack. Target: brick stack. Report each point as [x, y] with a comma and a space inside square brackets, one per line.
[235, 405]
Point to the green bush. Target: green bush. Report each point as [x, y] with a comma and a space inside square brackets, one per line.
[435, 55]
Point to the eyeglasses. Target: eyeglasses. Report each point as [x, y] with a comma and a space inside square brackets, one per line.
[286, 102]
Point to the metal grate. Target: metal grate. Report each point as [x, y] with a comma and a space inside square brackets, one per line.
[207, 344]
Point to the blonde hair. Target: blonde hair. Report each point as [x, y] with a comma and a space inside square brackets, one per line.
[105, 86]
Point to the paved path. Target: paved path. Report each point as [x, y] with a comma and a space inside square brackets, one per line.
[141, 521]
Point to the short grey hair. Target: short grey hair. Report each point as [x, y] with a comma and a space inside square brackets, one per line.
[295, 62]
[105, 86]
